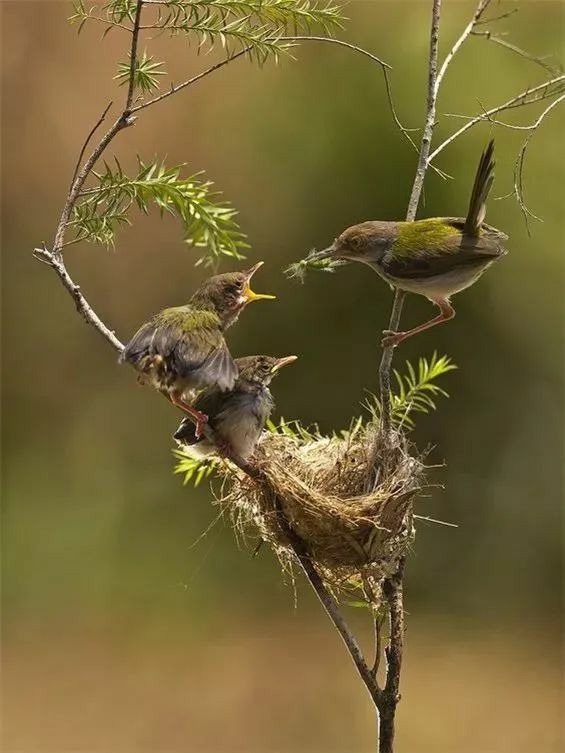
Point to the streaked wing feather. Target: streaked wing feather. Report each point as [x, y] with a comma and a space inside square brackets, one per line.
[217, 367]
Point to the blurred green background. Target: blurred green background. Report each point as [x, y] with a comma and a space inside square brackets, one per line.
[120, 632]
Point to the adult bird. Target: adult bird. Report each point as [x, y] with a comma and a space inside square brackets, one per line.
[435, 257]
[238, 416]
[182, 351]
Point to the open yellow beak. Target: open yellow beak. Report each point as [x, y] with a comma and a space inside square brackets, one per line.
[284, 362]
[249, 294]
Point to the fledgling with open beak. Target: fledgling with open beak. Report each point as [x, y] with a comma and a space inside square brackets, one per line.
[435, 257]
[238, 416]
[182, 351]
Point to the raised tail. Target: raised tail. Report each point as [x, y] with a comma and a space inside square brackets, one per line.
[481, 187]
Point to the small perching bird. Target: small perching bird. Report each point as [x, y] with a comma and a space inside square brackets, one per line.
[435, 257]
[182, 351]
[237, 416]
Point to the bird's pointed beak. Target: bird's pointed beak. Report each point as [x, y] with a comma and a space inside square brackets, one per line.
[280, 362]
[248, 294]
[325, 253]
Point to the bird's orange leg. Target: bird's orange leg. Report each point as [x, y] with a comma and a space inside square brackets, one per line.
[199, 418]
[393, 339]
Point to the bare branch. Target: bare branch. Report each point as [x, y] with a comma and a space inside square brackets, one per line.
[83, 307]
[341, 43]
[331, 607]
[467, 31]
[121, 123]
[518, 50]
[394, 322]
[527, 97]
[90, 135]
[492, 19]
[241, 53]
[190, 81]
[393, 590]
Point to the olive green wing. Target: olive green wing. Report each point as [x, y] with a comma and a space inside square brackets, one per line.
[139, 347]
[190, 344]
[440, 248]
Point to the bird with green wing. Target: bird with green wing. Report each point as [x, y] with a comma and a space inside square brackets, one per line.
[237, 416]
[435, 257]
[182, 351]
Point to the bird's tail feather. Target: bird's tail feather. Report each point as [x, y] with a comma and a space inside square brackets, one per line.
[481, 188]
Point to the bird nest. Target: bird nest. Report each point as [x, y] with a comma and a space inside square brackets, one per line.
[350, 503]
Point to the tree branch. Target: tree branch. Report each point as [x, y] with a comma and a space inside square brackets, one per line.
[394, 322]
[390, 696]
[490, 37]
[467, 31]
[133, 55]
[83, 307]
[520, 100]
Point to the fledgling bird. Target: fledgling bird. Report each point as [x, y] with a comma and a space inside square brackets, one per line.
[237, 416]
[435, 257]
[182, 351]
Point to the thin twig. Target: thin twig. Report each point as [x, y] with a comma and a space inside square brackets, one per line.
[481, 7]
[519, 166]
[121, 123]
[520, 100]
[378, 621]
[80, 175]
[489, 36]
[341, 43]
[492, 19]
[245, 50]
[190, 81]
[87, 140]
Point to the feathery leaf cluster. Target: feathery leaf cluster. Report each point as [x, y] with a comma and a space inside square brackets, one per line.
[206, 222]
[145, 73]
[256, 26]
[417, 390]
[194, 470]
[298, 269]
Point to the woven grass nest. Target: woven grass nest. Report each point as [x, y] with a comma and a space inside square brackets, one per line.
[325, 487]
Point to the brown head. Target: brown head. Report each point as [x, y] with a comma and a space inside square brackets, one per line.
[261, 369]
[366, 242]
[228, 294]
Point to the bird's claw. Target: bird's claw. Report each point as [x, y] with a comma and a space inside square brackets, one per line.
[391, 339]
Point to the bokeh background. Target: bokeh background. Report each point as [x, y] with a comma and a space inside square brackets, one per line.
[123, 630]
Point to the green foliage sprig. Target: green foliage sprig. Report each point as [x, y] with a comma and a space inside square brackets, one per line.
[193, 469]
[206, 222]
[416, 390]
[299, 269]
[145, 73]
[256, 26]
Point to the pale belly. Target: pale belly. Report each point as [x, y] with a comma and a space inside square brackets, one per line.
[441, 286]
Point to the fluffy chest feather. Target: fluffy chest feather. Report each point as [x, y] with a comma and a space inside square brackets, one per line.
[242, 418]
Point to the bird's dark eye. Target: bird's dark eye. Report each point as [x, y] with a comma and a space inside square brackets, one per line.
[234, 288]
